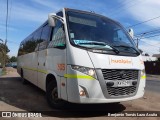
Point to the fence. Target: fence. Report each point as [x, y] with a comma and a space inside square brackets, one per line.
[152, 67]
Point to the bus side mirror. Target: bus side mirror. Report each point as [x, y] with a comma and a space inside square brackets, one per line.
[51, 19]
[131, 32]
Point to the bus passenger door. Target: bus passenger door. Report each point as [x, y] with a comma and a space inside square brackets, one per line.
[56, 60]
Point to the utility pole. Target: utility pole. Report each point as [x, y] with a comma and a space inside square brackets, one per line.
[5, 44]
[6, 25]
[137, 42]
[138, 39]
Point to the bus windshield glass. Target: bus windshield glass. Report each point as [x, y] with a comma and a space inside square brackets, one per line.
[98, 32]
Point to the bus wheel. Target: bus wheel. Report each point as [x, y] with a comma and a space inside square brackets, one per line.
[52, 96]
[24, 81]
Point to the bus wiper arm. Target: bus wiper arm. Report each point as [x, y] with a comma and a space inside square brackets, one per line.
[125, 46]
[94, 43]
[102, 43]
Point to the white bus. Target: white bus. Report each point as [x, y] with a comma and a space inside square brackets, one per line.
[82, 57]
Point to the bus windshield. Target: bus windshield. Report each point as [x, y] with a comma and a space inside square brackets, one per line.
[98, 32]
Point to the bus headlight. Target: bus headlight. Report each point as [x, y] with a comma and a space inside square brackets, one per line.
[89, 71]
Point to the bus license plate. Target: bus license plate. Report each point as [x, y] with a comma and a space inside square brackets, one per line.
[123, 83]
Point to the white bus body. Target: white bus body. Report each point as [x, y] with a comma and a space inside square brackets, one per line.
[82, 57]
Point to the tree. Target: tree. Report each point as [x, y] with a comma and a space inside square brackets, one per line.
[3, 54]
[13, 59]
[4, 47]
[1, 60]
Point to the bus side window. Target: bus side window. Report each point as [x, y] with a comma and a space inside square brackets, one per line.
[58, 37]
[60, 14]
[37, 38]
[28, 45]
[20, 51]
[45, 37]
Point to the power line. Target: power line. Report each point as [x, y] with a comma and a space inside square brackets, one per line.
[132, 6]
[148, 32]
[157, 43]
[119, 10]
[145, 49]
[150, 44]
[151, 36]
[140, 39]
[13, 42]
[120, 6]
[143, 22]
[149, 52]
[6, 24]
[156, 48]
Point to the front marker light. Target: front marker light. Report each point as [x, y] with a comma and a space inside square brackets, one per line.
[89, 71]
[143, 74]
[82, 93]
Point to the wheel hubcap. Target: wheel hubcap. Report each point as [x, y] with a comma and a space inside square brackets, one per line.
[54, 95]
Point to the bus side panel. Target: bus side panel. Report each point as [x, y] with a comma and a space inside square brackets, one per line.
[42, 70]
[63, 88]
[28, 63]
[56, 62]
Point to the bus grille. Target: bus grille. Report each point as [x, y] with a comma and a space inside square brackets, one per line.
[116, 75]
[121, 91]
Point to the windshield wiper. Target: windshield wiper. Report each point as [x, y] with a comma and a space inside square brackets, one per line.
[125, 46]
[101, 43]
[94, 43]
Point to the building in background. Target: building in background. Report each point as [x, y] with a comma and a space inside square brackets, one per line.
[149, 58]
[156, 55]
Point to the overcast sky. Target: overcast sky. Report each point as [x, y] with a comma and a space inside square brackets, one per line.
[27, 15]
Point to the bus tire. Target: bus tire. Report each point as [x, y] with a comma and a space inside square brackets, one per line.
[24, 81]
[52, 96]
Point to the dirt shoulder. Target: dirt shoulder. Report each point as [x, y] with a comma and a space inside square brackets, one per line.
[155, 77]
[10, 72]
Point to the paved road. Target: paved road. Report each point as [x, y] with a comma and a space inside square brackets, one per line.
[153, 85]
[17, 97]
